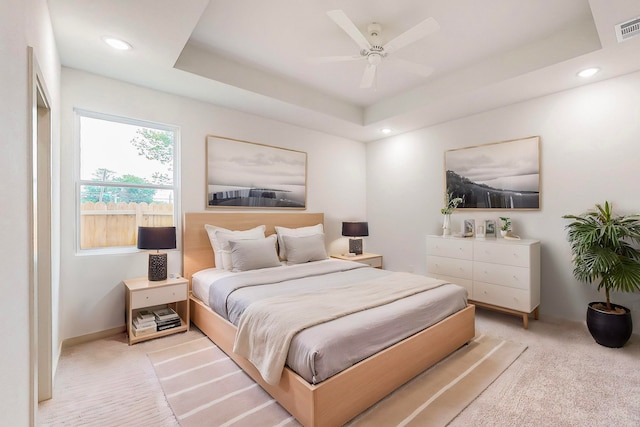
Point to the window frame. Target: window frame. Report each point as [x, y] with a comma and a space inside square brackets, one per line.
[79, 182]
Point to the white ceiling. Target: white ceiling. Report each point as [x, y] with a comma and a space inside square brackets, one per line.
[254, 55]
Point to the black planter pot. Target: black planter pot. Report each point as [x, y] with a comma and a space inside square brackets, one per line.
[609, 329]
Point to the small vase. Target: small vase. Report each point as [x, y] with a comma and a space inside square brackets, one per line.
[446, 225]
[504, 232]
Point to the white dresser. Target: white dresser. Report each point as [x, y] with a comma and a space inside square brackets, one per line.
[498, 273]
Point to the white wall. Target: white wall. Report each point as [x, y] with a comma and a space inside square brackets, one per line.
[22, 24]
[590, 148]
[92, 295]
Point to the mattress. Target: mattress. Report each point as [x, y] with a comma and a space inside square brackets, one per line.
[321, 351]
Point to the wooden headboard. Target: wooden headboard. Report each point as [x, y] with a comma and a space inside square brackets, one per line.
[197, 253]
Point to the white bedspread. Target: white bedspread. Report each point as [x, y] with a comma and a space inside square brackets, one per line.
[267, 327]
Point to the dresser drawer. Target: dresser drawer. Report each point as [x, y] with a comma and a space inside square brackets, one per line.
[450, 267]
[502, 253]
[505, 275]
[450, 247]
[157, 296]
[465, 283]
[515, 299]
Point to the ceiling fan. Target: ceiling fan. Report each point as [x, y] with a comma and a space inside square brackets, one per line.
[373, 51]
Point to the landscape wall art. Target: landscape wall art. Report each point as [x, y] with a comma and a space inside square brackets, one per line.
[246, 174]
[500, 175]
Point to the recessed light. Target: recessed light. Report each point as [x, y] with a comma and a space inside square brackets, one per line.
[588, 72]
[386, 131]
[116, 43]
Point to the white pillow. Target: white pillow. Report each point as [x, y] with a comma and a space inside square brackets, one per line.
[300, 232]
[219, 238]
[254, 254]
[305, 248]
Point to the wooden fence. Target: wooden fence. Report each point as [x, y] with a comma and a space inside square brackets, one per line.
[116, 224]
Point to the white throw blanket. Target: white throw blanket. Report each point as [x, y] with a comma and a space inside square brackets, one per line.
[267, 327]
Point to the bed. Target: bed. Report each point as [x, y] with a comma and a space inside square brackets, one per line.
[342, 396]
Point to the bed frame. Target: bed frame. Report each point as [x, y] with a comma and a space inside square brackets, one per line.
[338, 399]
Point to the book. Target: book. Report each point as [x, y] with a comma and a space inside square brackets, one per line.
[165, 314]
[139, 332]
[165, 321]
[143, 323]
[145, 315]
[169, 325]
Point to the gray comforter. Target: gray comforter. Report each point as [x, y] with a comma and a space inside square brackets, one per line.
[318, 352]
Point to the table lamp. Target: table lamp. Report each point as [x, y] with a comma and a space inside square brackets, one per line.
[355, 229]
[157, 238]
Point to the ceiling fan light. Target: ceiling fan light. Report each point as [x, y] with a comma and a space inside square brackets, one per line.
[374, 59]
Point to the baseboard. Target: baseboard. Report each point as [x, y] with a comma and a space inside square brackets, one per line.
[69, 342]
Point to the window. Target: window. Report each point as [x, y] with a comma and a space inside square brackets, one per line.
[127, 178]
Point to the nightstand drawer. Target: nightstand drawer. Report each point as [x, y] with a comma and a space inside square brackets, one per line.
[157, 296]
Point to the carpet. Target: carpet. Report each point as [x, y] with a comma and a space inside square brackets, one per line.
[205, 387]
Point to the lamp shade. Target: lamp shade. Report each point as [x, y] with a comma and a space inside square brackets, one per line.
[355, 229]
[156, 237]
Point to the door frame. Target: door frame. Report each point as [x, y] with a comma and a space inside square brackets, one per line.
[40, 207]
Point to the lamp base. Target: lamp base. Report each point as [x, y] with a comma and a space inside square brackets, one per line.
[355, 246]
[157, 266]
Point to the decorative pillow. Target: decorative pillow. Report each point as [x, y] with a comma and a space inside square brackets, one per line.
[300, 232]
[254, 254]
[305, 248]
[219, 238]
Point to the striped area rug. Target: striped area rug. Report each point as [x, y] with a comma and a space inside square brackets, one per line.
[204, 387]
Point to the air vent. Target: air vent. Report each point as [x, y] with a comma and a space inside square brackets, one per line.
[627, 30]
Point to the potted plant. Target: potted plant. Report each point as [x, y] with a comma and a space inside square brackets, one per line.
[450, 205]
[505, 228]
[604, 249]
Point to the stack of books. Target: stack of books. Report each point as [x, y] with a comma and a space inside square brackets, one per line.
[166, 318]
[144, 323]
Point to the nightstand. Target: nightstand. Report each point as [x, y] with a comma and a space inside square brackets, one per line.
[374, 260]
[143, 294]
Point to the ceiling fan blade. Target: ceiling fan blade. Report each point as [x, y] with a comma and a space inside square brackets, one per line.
[323, 59]
[368, 76]
[343, 21]
[414, 34]
[421, 70]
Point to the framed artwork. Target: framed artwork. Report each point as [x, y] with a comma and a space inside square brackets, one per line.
[469, 227]
[250, 175]
[490, 228]
[500, 175]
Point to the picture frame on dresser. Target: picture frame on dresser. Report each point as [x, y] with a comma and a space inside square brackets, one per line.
[469, 227]
[489, 228]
